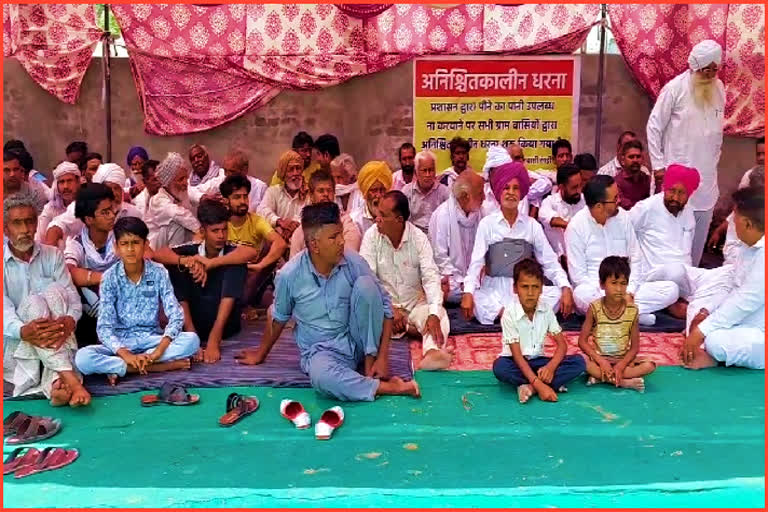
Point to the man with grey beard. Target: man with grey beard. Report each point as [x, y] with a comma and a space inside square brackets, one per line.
[686, 127]
[170, 216]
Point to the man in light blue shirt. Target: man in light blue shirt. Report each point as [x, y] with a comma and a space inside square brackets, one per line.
[130, 334]
[40, 310]
[343, 316]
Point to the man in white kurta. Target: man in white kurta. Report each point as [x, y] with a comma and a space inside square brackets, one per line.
[282, 203]
[170, 217]
[686, 127]
[452, 231]
[603, 229]
[731, 325]
[66, 181]
[425, 193]
[40, 311]
[664, 224]
[559, 208]
[486, 298]
[401, 257]
[374, 180]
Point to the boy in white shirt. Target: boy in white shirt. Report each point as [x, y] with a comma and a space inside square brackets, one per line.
[525, 324]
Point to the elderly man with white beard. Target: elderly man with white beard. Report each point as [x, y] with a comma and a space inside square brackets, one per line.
[686, 127]
[170, 216]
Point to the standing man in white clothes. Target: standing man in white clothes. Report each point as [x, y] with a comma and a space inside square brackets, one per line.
[686, 127]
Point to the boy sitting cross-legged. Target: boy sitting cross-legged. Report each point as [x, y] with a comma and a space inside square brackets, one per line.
[525, 323]
[128, 327]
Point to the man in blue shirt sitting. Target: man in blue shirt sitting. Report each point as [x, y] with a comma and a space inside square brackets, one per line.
[343, 316]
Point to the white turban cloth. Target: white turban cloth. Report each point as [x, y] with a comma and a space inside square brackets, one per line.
[66, 168]
[495, 157]
[110, 173]
[704, 54]
[60, 170]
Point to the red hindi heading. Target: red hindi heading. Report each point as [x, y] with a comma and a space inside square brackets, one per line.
[451, 78]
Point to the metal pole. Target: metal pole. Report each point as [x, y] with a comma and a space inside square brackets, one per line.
[107, 85]
[600, 79]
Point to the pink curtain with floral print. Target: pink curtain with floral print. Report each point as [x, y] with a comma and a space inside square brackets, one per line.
[53, 42]
[197, 67]
[655, 41]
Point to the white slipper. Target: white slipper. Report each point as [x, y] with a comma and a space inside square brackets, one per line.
[294, 412]
[331, 419]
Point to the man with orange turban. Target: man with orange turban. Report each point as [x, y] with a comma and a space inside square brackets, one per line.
[282, 204]
[374, 180]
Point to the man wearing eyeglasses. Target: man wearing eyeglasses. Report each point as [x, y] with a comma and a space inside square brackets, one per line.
[603, 229]
[686, 127]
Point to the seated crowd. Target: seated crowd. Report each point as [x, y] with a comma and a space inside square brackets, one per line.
[150, 268]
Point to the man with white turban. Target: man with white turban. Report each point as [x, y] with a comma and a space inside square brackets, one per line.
[170, 216]
[66, 181]
[68, 225]
[374, 180]
[686, 127]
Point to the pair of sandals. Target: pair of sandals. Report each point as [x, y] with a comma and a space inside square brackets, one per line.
[238, 406]
[22, 428]
[330, 420]
[34, 461]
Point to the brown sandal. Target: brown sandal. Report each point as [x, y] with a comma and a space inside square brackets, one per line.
[238, 407]
[35, 428]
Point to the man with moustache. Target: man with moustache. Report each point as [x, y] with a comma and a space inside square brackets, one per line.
[203, 168]
[66, 182]
[321, 190]
[634, 185]
[374, 180]
[686, 127]
[504, 238]
[664, 224]
[425, 193]
[17, 164]
[459, 149]
[281, 205]
[614, 167]
[170, 216]
[406, 155]
[559, 208]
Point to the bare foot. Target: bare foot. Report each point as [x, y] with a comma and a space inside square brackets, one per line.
[591, 381]
[524, 393]
[179, 364]
[436, 360]
[638, 384]
[60, 394]
[397, 386]
[701, 360]
[198, 357]
[679, 309]
[80, 396]
[112, 379]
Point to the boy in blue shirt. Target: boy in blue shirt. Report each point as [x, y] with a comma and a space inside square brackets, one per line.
[128, 327]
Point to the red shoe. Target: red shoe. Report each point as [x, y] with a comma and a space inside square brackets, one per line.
[331, 419]
[294, 412]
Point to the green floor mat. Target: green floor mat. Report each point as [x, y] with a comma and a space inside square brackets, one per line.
[693, 439]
